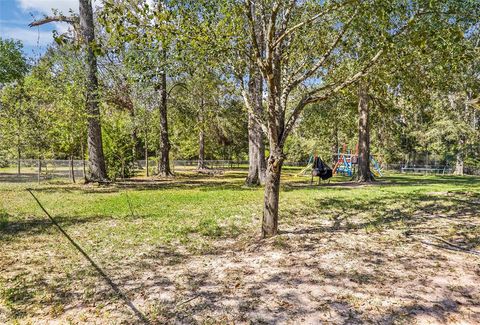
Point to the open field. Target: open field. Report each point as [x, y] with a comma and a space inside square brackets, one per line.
[187, 250]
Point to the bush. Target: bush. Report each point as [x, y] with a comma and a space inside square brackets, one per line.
[118, 148]
[4, 162]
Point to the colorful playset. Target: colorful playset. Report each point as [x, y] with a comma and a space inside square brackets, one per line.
[346, 163]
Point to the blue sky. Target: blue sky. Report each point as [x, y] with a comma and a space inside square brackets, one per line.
[15, 15]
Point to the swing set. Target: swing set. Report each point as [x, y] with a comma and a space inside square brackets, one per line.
[346, 162]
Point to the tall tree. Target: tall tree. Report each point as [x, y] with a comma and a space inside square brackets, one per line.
[304, 61]
[150, 32]
[84, 24]
[13, 67]
[364, 174]
[98, 171]
[212, 29]
[256, 146]
[284, 70]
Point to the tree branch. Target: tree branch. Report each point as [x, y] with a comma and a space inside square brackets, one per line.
[253, 34]
[310, 97]
[324, 58]
[363, 72]
[308, 21]
[72, 20]
[286, 16]
[270, 37]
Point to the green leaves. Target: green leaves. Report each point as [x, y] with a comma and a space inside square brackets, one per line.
[13, 65]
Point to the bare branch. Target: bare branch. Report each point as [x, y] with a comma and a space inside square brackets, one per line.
[324, 58]
[253, 34]
[287, 15]
[310, 97]
[72, 20]
[308, 21]
[271, 35]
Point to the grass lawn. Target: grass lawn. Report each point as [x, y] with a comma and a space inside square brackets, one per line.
[187, 250]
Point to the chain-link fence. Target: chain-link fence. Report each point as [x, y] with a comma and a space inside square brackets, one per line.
[32, 170]
[28, 170]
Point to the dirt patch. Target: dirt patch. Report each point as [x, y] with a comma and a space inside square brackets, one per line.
[310, 273]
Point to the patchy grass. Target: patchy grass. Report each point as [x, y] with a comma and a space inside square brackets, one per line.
[166, 241]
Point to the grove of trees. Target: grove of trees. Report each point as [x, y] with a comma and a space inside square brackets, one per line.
[258, 80]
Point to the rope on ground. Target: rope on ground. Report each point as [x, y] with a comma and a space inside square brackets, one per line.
[107, 279]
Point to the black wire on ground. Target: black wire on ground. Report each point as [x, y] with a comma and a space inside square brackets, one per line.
[112, 284]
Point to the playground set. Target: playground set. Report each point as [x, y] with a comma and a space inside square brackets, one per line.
[346, 162]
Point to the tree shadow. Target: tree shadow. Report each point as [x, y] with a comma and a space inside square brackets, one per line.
[34, 226]
[272, 298]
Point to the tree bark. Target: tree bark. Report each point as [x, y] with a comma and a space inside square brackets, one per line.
[164, 159]
[72, 170]
[256, 146]
[39, 169]
[146, 153]
[18, 160]
[364, 173]
[96, 157]
[83, 162]
[335, 144]
[201, 137]
[272, 193]
[459, 168]
[201, 150]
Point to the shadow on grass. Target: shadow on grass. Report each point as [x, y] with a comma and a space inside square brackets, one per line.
[153, 184]
[30, 227]
[407, 180]
[207, 297]
[348, 214]
[234, 180]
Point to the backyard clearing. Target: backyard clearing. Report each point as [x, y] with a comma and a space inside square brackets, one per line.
[187, 250]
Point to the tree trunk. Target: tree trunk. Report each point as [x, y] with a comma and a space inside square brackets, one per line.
[72, 170]
[96, 158]
[201, 150]
[39, 169]
[335, 145]
[146, 153]
[164, 160]
[364, 174]
[459, 158]
[272, 193]
[83, 162]
[201, 137]
[256, 146]
[18, 160]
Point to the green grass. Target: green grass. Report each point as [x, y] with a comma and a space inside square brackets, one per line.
[191, 214]
[209, 207]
